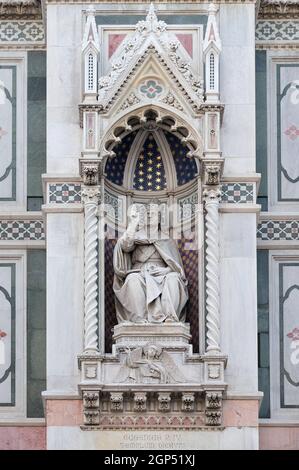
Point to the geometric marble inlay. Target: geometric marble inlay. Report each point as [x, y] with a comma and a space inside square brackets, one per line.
[64, 193]
[237, 192]
[22, 31]
[22, 230]
[278, 230]
[277, 30]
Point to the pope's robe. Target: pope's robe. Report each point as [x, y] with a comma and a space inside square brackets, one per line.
[149, 280]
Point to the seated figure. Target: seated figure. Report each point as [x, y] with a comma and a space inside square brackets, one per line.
[149, 280]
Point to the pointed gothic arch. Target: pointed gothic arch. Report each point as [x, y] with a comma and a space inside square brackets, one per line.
[148, 115]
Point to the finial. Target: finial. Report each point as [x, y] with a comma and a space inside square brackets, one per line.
[151, 16]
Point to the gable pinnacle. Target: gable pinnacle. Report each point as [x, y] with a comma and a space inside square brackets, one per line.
[151, 16]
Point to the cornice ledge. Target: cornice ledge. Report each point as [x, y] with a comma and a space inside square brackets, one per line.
[278, 9]
[63, 208]
[49, 2]
[20, 9]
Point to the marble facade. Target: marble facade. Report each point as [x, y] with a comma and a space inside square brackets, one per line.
[115, 68]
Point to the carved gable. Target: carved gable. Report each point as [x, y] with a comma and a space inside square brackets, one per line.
[151, 62]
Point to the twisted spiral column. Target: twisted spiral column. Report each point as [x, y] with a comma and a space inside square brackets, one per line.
[212, 197]
[90, 196]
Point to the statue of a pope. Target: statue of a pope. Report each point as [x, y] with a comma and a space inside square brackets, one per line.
[149, 280]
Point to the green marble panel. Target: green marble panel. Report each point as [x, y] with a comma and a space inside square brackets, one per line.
[261, 125]
[36, 331]
[36, 132]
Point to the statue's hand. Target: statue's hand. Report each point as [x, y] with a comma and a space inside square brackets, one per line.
[160, 271]
[134, 216]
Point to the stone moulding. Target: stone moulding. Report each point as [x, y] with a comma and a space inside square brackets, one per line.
[138, 1]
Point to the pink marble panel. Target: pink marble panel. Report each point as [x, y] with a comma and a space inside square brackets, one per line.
[187, 41]
[240, 412]
[64, 413]
[114, 41]
[279, 437]
[22, 437]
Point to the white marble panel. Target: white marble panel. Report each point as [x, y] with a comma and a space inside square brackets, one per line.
[238, 166]
[64, 25]
[64, 299]
[63, 140]
[64, 92]
[238, 132]
[237, 25]
[64, 79]
[237, 83]
[238, 313]
[66, 437]
[238, 235]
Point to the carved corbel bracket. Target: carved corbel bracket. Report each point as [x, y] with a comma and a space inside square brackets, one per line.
[90, 171]
[212, 171]
[213, 408]
[188, 401]
[91, 403]
[164, 399]
[117, 401]
[140, 399]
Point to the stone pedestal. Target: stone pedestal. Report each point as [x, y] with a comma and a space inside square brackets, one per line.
[169, 335]
[152, 380]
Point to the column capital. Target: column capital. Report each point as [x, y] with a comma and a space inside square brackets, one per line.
[91, 194]
[211, 195]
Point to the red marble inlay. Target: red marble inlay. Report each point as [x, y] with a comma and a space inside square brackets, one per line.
[187, 41]
[114, 41]
[294, 334]
[292, 132]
